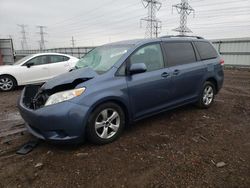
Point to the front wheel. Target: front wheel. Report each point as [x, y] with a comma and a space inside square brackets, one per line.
[7, 83]
[207, 95]
[105, 123]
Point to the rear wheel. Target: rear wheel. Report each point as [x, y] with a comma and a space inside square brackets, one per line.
[105, 123]
[207, 95]
[7, 83]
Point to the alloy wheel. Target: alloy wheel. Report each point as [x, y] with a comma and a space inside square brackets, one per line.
[107, 123]
[6, 84]
[208, 95]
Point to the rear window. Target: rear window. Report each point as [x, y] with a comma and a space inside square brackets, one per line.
[58, 58]
[179, 53]
[206, 50]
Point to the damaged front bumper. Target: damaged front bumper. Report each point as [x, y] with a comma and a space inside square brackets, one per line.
[64, 121]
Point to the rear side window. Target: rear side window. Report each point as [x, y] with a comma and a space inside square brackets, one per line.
[179, 53]
[57, 58]
[206, 50]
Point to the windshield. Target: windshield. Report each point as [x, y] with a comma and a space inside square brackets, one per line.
[101, 59]
[20, 61]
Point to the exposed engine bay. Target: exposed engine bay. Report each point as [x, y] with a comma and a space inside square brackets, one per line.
[35, 96]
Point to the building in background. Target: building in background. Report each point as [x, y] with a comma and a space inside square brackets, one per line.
[235, 51]
[6, 52]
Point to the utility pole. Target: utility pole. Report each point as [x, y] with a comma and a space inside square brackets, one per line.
[42, 33]
[152, 21]
[184, 9]
[73, 42]
[24, 43]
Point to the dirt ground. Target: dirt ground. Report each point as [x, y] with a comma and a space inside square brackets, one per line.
[179, 148]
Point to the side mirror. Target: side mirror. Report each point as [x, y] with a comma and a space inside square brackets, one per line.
[29, 64]
[137, 68]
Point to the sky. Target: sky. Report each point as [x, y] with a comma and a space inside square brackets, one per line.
[96, 22]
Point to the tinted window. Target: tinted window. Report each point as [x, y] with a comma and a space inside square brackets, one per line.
[151, 55]
[40, 60]
[179, 53]
[57, 58]
[206, 50]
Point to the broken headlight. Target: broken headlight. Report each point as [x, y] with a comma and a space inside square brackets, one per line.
[64, 96]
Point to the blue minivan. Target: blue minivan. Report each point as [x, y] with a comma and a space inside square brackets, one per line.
[119, 83]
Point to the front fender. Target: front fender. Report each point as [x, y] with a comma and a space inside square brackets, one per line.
[96, 99]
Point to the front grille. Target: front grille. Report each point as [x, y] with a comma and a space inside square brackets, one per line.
[39, 100]
[34, 97]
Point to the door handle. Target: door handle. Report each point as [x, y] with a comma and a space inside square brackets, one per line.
[164, 75]
[176, 72]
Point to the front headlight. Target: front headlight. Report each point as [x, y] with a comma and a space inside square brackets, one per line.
[64, 96]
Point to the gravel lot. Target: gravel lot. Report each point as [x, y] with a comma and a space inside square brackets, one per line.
[187, 147]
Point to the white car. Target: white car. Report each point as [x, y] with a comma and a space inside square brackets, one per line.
[34, 69]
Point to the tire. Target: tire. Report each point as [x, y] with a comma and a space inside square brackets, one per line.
[7, 83]
[101, 128]
[207, 94]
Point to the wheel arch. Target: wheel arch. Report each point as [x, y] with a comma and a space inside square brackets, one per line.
[116, 101]
[213, 81]
[16, 82]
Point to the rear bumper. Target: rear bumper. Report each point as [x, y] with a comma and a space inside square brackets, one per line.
[62, 122]
[220, 80]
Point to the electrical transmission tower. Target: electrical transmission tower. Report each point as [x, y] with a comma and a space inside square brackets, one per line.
[73, 42]
[152, 28]
[184, 9]
[42, 33]
[24, 43]
[157, 29]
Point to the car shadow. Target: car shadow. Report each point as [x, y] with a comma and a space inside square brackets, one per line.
[166, 116]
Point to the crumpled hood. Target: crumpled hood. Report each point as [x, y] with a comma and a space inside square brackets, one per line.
[79, 75]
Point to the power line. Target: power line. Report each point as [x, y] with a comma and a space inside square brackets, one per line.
[152, 21]
[184, 9]
[42, 40]
[122, 23]
[218, 3]
[99, 17]
[119, 25]
[102, 28]
[83, 13]
[120, 28]
[104, 25]
[212, 4]
[24, 43]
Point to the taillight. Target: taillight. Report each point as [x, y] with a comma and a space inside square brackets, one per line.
[222, 62]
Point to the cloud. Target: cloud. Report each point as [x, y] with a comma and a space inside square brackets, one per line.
[96, 22]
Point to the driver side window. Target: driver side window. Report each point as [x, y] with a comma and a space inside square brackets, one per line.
[151, 55]
[40, 60]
